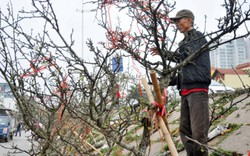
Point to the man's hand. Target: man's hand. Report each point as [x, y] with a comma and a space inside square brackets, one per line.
[172, 56]
[154, 51]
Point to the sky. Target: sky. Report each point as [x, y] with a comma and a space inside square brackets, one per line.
[200, 11]
[71, 17]
[211, 8]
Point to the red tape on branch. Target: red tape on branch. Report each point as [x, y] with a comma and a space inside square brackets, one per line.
[118, 95]
[38, 69]
[63, 86]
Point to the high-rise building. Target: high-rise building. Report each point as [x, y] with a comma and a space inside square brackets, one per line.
[247, 40]
[229, 54]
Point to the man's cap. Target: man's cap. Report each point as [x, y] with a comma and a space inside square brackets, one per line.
[183, 13]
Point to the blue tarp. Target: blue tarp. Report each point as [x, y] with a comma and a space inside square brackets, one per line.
[117, 64]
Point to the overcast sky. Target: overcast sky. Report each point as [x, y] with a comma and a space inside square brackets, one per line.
[211, 8]
[70, 17]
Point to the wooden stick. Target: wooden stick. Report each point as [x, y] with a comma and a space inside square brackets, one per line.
[148, 91]
[163, 127]
[156, 87]
[167, 136]
[158, 95]
[84, 141]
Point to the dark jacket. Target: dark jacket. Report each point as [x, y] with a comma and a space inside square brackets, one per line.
[197, 73]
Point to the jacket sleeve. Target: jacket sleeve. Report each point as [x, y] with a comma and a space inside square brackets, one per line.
[174, 57]
[173, 81]
[178, 56]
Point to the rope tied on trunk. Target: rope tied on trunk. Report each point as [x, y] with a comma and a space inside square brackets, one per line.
[161, 107]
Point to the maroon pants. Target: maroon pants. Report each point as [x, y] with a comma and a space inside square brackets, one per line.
[194, 122]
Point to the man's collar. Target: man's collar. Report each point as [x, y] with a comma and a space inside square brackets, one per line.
[189, 32]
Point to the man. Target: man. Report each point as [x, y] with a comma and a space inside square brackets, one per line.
[19, 128]
[192, 81]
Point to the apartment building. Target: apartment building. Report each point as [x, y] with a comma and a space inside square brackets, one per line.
[247, 41]
[230, 54]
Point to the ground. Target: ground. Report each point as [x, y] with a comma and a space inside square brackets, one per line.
[238, 140]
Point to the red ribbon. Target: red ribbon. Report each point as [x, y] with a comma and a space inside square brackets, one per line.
[162, 108]
[118, 95]
[39, 69]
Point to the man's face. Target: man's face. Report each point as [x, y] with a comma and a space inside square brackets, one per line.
[184, 24]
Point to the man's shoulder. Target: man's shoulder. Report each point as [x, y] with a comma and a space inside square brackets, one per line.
[198, 36]
[193, 35]
[198, 33]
